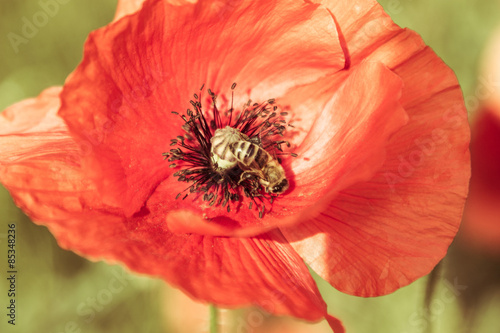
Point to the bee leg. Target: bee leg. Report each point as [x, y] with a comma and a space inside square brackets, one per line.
[252, 177]
[264, 183]
[246, 175]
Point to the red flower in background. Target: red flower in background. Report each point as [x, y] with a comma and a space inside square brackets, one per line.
[482, 215]
[481, 227]
[376, 192]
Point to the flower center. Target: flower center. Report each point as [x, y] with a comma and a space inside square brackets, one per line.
[227, 154]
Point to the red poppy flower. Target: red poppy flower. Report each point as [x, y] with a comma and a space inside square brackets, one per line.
[481, 227]
[371, 202]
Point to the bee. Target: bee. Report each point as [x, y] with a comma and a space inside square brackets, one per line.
[230, 147]
[222, 157]
[256, 162]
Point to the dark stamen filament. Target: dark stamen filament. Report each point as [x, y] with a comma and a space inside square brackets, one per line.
[260, 122]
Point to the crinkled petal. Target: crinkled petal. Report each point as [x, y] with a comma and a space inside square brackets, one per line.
[382, 234]
[45, 179]
[31, 115]
[40, 166]
[364, 26]
[344, 146]
[263, 270]
[123, 88]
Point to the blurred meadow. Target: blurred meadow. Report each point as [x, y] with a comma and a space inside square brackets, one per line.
[59, 291]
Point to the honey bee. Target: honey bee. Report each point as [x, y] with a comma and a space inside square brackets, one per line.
[230, 147]
[257, 162]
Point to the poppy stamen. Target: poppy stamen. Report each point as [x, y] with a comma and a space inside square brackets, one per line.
[221, 157]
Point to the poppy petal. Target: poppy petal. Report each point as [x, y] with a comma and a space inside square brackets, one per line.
[410, 211]
[344, 146]
[39, 162]
[263, 270]
[32, 115]
[347, 142]
[103, 103]
[208, 268]
[364, 26]
[127, 7]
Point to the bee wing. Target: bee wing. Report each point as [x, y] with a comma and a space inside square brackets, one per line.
[255, 172]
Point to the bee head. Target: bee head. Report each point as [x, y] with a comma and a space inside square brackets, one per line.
[280, 187]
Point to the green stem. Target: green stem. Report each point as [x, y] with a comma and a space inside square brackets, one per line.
[213, 319]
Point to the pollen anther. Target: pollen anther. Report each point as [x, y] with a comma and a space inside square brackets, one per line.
[221, 155]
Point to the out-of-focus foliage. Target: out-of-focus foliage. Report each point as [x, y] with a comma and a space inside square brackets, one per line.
[57, 287]
[46, 50]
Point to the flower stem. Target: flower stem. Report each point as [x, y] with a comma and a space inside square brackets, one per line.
[213, 319]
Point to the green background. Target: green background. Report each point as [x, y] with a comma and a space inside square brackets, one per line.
[53, 283]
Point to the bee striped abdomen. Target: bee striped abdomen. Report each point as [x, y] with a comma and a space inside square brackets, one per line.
[249, 154]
